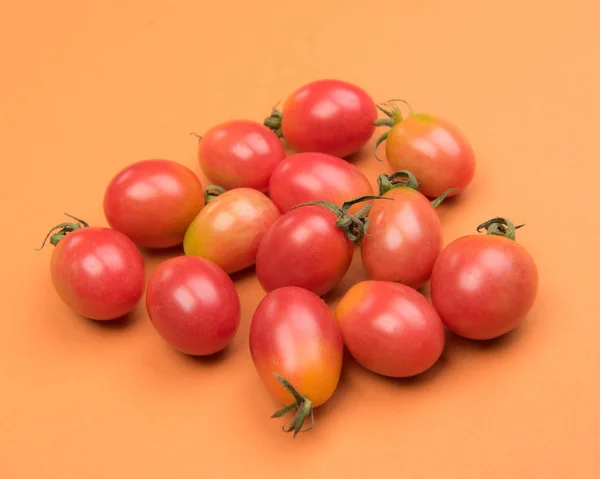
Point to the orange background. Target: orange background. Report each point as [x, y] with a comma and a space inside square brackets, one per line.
[88, 87]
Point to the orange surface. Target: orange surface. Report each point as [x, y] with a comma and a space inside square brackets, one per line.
[88, 87]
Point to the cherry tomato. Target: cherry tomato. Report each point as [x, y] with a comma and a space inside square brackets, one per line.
[432, 148]
[328, 116]
[230, 227]
[97, 272]
[240, 154]
[483, 286]
[310, 246]
[153, 202]
[390, 328]
[193, 304]
[405, 236]
[307, 177]
[297, 349]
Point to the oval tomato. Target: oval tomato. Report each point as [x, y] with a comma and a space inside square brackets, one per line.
[310, 246]
[153, 202]
[230, 227]
[97, 272]
[240, 154]
[483, 286]
[405, 236]
[297, 349]
[390, 328]
[432, 148]
[193, 305]
[328, 116]
[305, 177]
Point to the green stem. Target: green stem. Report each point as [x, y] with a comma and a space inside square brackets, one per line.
[273, 122]
[404, 178]
[302, 405]
[500, 227]
[379, 141]
[384, 122]
[438, 201]
[213, 191]
[63, 230]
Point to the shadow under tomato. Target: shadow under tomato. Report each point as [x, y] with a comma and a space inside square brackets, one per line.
[244, 274]
[455, 343]
[210, 360]
[119, 323]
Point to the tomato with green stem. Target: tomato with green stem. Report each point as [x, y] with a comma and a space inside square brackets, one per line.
[296, 346]
[484, 285]
[432, 148]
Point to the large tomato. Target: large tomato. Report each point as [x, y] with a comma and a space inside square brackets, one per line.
[153, 202]
[240, 154]
[432, 148]
[297, 349]
[193, 305]
[97, 272]
[405, 236]
[311, 176]
[230, 227]
[483, 286]
[390, 328]
[328, 116]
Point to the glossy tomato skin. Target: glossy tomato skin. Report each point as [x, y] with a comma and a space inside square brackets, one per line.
[404, 238]
[483, 286]
[294, 334]
[240, 154]
[193, 304]
[329, 116]
[390, 328]
[312, 176]
[434, 151]
[304, 248]
[98, 272]
[229, 228]
[153, 202]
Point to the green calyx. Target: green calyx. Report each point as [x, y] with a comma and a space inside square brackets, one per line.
[393, 116]
[405, 178]
[302, 405]
[499, 227]
[354, 225]
[63, 230]
[211, 192]
[273, 122]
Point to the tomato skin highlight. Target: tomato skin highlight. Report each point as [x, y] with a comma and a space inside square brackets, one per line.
[304, 248]
[240, 154]
[98, 272]
[404, 238]
[193, 305]
[229, 228]
[294, 334]
[305, 177]
[434, 151]
[153, 202]
[483, 286]
[390, 328]
[329, 116]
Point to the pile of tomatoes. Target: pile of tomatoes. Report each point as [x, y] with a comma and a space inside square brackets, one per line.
[297, 220]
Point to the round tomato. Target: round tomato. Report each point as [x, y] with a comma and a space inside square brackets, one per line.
[305, 177]
[328, 116]
[390, 328]
[230, 227]
[310, 246]
[430, 147]
[484, 285]
[97, 272]
[193, 304]
[405, 236]
[153, 202]
[297, 349]
[240, 154]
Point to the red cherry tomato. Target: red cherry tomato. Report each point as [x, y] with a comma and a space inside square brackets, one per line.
[193, 305]
[328, 116]
[153, 202]
[390, 328]
[405, 236]
[307, 177]
[433, 149]
[97, 272]
[240, 154]
[310, 247]
[230, 227]
[483, 286]
[297, 349]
